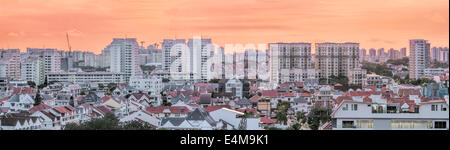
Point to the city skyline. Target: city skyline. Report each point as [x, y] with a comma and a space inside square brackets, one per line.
[92, 24]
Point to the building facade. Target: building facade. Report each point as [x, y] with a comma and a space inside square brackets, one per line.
[419, 57]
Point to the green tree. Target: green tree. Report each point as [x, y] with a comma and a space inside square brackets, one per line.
[108, 122]
[273, 128]
[31, 84]
[296, 126]
[136, 125]
[317, 117]
[37, 98]
[281, 111]
[71, 102]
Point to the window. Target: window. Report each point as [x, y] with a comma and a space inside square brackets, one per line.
[443, 108]
[440, 124]
[354, 107]
[347, 124]
[345, 108]
[433, 107]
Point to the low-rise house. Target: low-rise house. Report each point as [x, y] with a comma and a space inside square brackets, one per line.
[49, 121]
[19, 102]
[267, 122]
[234, 86]
[199, 119]
[13, 122]
[66, 114]
[205, 100]
[84, 112]
[145, 99]
[234, 118]
[90, 98]
[300, 104]
[142, 116]
[394, 113]
[243, 103]
[63, 100]
[169, 111]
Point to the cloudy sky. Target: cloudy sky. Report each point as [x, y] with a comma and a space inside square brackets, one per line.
[92, 24]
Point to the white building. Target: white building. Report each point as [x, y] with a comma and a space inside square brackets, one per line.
[151, 84]
[201, 50]
[359, 115]
[289, 62]
[52, 58]
[357, 76]
[234, 86]
[419, 57]
[124, 57]
[336, 58]
[87, 77]
[435, 71]
[10, 63]
[32, 69]
[19, 102]
[142, 116]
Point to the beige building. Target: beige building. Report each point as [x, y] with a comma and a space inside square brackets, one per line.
[336, 58]
[290, 62]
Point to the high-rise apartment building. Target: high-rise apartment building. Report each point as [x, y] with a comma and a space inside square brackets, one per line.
[52, 58]
[362, 55]
[201, 50]
[419, 57]
[124, 55]
[32, 69]
[443, 55]
[372, 55]
[290, 62]
[337, 58]
[403, 52]
[10, 62]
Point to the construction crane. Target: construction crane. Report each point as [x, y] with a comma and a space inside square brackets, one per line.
[68, 43]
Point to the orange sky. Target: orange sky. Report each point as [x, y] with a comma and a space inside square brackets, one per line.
[93, 23]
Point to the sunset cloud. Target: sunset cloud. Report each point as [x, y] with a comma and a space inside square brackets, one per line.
[92, 24]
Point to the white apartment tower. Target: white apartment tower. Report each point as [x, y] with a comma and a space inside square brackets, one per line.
[419, 57]
[289, 62]
[337, 58]
[52, 58]
[201, 50]
[124, 54]
[10, 62]
[32, 69]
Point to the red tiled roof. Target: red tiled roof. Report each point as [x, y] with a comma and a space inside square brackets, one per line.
[266, 120]
[69, 108]
[23, 90]
[214, 108]
[289, 94]
[39, 107]
[423, 99]
[249, 110]
[339, 99]
[86, 105]
[269, 93]
[173, 109]
[62, 110]
[103, 109]
[105, 98]
[306, 94]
